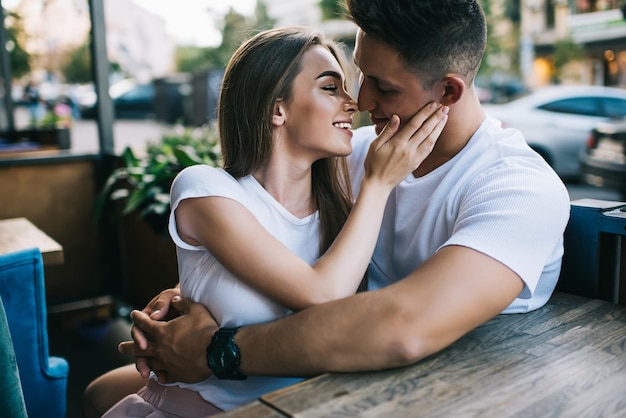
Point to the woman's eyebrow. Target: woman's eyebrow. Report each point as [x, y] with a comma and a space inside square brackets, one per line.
[330, 73]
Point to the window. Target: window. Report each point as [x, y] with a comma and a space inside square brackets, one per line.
[589, 106]
[614, 108]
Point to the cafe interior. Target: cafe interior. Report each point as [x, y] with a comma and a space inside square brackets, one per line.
[68, 281]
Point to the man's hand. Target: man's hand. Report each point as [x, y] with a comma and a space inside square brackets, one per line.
[176, 350]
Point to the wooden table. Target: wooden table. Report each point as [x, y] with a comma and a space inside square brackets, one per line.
[18, 234]
[567, 359]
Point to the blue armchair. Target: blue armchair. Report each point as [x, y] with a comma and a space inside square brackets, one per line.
[22, 290]
[11, 397]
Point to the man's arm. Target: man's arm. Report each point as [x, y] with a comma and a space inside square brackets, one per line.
[452, 293]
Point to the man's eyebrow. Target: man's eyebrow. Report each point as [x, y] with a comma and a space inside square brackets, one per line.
[330, 73]
[382, 82]
[377, 80]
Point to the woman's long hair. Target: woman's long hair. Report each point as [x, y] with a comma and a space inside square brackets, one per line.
[260, 73]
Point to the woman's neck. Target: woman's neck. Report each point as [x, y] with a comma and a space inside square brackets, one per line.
[289, 184]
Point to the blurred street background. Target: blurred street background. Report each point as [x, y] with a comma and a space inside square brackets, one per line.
[136, 133]
[166, 60]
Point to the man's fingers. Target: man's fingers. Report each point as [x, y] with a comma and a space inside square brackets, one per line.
[143, 322]
[131, 349]
[139, 337]
[141, 363]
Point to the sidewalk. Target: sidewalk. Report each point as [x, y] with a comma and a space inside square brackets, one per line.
[84, 133]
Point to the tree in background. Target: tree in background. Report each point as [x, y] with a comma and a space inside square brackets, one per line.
[235, 29]
[18, 57]
[566, 51]
[76, 65]
[500, 75]
[501, 52]
[331, 9]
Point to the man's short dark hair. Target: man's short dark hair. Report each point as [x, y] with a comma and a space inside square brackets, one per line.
[433, 37]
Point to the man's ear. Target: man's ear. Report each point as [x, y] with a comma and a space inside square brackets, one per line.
[278, 116]
[452, 87]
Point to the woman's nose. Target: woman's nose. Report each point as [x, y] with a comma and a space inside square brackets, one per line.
[350, 106]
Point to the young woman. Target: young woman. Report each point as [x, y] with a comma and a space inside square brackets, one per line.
[249, 236]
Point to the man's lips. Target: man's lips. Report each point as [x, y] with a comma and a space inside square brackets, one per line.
[379, 121]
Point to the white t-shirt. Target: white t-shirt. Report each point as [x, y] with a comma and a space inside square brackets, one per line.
[496, 196]
[233, 303]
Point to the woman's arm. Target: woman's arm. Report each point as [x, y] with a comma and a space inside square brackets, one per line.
[248, 250]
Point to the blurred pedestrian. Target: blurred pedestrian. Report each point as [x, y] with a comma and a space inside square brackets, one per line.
[33, 101]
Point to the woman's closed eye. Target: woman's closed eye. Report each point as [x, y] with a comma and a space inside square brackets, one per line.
[330, 87]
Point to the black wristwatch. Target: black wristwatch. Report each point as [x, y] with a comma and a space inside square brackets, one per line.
[222, 355]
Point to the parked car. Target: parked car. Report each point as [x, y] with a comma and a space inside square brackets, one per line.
[556, 121]
[131, 100]
[603, 160]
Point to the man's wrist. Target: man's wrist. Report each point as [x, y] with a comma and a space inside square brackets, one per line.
[223, 356]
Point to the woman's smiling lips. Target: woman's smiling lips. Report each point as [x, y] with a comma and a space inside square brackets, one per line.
[345, 126]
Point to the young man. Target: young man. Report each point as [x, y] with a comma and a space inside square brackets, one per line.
[477, 231]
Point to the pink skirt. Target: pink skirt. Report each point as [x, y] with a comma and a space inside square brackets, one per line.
[157, 401]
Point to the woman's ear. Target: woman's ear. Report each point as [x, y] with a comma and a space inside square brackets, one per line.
[452, 87]
[278, 116]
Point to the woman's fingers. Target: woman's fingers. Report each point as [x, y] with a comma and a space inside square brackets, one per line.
[398, 152]
[387, 133]
[427, 136]
[422, 124]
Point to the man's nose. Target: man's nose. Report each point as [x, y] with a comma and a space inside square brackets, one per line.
[365, 99]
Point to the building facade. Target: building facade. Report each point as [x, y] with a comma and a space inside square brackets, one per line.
[593, 31]
[136, 38]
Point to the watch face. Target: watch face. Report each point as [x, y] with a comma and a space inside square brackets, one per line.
[221, 357]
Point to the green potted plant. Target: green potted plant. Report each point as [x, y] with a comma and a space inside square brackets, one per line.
[135, 201]
[142, 184]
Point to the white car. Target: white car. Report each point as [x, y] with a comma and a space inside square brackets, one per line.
[556, 121]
